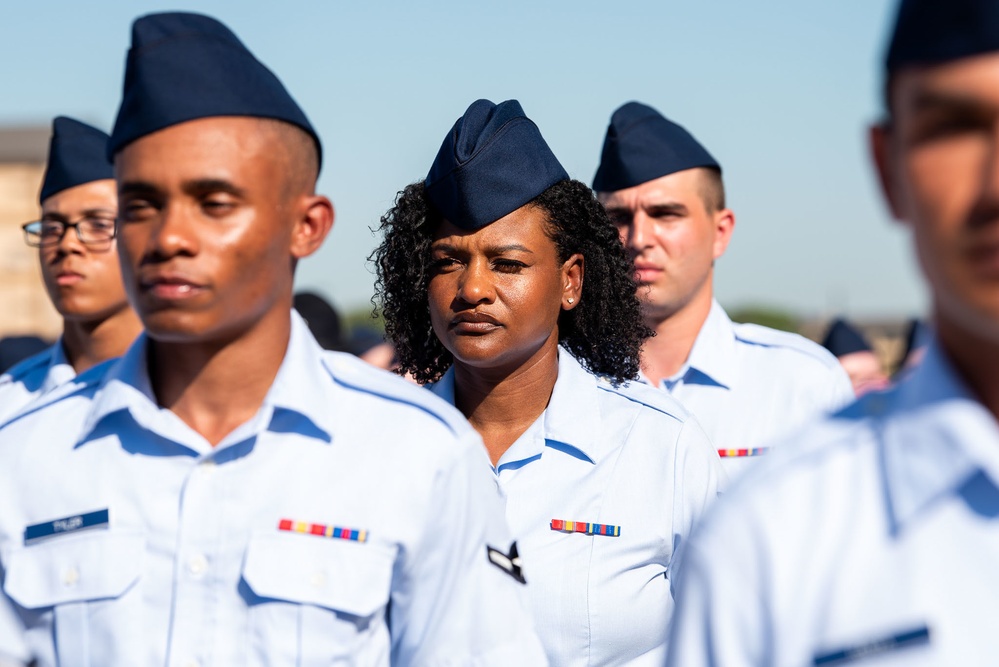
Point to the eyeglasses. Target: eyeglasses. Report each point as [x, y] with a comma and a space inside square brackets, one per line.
[92, 231]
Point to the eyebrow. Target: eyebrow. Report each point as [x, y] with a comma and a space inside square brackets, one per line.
[668, 207]
[931, 100]
[492, 250]
[203, 186]
[199, 186]
[86, 213]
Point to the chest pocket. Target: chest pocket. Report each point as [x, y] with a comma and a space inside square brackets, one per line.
[314, 600]
[84, 585]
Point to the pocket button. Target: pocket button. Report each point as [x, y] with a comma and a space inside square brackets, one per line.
[71, 577]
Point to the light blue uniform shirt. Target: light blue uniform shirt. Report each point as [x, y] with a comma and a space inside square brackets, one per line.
[748, 385]
[33, 377]
[192, 563]
[871, 539]
[629, 457]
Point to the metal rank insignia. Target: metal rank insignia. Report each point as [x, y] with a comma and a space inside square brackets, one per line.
[742, 453]
[586, 528]
[321, 530]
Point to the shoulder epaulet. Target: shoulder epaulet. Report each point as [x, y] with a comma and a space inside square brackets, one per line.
[25, 366]
[348, 370]
[755, 334]
[650, 397]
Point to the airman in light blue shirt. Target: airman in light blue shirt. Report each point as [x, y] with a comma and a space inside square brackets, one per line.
[227, 493]
[745, 384]
[871, 537]
[599, 455]
[78, 256]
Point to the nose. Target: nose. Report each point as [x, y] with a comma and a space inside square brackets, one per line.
[475, 285]
[173, 234]
[640, 233]
[70, 242]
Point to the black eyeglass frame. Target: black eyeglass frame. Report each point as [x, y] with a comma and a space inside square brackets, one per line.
[35, 240]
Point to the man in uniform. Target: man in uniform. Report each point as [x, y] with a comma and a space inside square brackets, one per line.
[876, 540]
[227, 493]
[746, 384]
[79, 262]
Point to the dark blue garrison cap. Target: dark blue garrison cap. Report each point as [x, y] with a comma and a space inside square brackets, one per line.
[641, 145]
[77, 155]
[929, 32]
[493, 161]
[842, 338]
[184, 66]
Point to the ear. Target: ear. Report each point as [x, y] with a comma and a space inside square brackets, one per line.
[879, 141]
[724, 221]
[572, 281]
[315, 220]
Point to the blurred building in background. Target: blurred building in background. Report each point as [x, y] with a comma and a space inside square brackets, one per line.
[24, 307]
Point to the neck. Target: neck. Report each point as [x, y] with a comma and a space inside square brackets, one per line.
[664, 354]
[976, 360]
[87, 344]
[216, 386]
[501, 406]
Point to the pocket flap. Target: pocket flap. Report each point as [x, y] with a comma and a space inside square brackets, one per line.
[89, 566]
[341, 575]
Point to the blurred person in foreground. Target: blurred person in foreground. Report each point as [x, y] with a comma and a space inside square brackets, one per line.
[855, 354]
[503, 283]
[78, 256]
[873, 538]
[746, 384]
[227, 493]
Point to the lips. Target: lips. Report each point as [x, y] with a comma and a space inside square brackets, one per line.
[170, 287]
[647, 273]
[65, 278]
[474, 323]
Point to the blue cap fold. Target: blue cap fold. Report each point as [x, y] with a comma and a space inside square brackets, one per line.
[642, 145]
[930, 32]
[185, 66]
[842, 338]
[493, 161]
[77, 155]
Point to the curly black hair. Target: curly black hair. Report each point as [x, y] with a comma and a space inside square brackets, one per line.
[605, 331]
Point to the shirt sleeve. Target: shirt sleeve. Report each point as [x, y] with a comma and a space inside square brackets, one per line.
[698, 479]
[455, 606]
[721, 617]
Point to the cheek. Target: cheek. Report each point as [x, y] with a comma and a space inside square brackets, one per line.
[941, 185]
[440, 295]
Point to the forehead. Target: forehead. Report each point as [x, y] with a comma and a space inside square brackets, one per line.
[973, 80]
[220, 146]
[681, 186]
[526, 226]
[88, 196]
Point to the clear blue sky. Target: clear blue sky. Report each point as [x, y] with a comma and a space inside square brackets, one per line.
[780, 92]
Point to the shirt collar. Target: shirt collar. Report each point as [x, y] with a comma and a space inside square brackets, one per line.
[713, 354]
[299, 391]
[937, 438]
[59, 368]
[572, 419]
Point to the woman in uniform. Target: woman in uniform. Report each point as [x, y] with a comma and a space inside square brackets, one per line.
[503, 285]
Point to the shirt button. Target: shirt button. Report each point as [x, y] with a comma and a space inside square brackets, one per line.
[318, 580]
[197, 565]
[71, 576]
